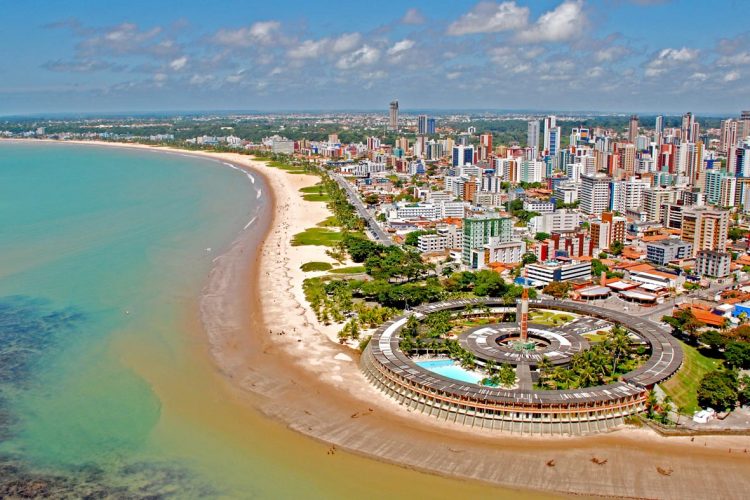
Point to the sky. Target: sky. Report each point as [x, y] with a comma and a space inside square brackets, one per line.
[661, 56]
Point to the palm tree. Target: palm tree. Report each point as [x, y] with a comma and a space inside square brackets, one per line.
[491, 367]
[587, 377]
[620, 345]
[544, 366]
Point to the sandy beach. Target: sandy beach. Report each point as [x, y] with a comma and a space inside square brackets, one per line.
[269, 346]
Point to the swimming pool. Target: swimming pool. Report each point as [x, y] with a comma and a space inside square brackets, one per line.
[448, 368]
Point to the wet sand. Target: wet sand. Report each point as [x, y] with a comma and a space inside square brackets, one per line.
[300, 378]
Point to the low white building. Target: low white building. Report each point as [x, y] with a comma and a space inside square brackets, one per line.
[540, 206]
[553, 270]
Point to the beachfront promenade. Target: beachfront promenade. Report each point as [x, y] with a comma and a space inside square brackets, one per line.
[523, 410]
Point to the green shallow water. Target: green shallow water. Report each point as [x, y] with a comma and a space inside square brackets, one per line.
[106, 385]
[120, 240]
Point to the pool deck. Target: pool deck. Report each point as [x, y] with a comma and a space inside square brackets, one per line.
[665, 359]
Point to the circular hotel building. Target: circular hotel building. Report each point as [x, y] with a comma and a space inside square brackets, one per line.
[440, 388]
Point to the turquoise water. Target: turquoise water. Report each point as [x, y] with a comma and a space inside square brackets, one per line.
[100, 249]
[107, 387]
[449, 368]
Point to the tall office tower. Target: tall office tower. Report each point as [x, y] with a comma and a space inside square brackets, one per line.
[688, 125]
[422, 125]
[462, 155]
[633, 129]
[431, 126]
[485, 146]
[393, 122]
[553, 141]
[654, 200]
[705, 228]
[532, 138]
[549, 123]
[658, 129]
[594, 193]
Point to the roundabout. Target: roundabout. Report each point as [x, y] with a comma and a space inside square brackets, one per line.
[526, 407]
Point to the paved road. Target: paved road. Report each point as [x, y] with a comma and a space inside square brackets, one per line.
[353, 195]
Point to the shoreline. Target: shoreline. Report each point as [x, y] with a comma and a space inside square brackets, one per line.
[297, 379]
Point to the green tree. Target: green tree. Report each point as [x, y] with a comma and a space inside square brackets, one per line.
[736, 233]
[528, 258]
[616, 247]
[718, 390]
[506, 375]
[737, 354]
[541, 236]
[489, 284]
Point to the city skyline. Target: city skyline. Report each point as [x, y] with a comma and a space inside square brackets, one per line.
[606, 56]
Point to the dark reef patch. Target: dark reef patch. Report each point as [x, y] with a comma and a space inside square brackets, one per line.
[29, 327]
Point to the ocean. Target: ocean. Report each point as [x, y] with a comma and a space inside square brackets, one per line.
[107, 385]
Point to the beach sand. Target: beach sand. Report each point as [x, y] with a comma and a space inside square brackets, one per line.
[306, 380]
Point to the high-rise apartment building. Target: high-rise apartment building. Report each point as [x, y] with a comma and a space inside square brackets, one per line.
[594, 193]
[532, 138]
[478, 232]
[705, 228]
[654, 200]
[658, 129]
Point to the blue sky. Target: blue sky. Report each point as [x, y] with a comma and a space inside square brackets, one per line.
[607, 55]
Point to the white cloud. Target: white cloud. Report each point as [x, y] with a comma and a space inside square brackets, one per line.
[400, 47]
[669, 58]
[178, 63]
[561, 24]
[413, 16]
[490, 17]
[201, 79]
[346, 42]
[740, 58]
[731, 76]
[610, 53]
[310, 49]
[262, 32]
[361, 57]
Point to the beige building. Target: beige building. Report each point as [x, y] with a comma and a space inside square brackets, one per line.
[705, 228]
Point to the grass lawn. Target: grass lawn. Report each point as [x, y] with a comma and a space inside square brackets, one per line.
[595, 337]
[549, 318]
[292, 169]
[316, 236]
[313, 193]
[349, 270]
[309, 267]
[683, 387]
[329, 222]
